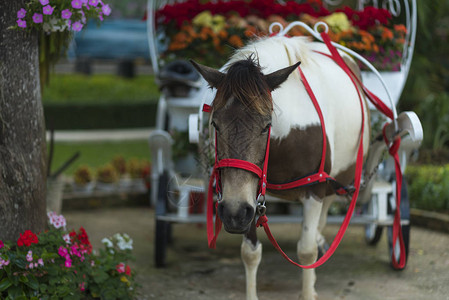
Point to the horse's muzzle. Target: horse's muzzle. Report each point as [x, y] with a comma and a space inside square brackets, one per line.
[236, 221]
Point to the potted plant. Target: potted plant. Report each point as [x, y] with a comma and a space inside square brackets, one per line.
[107, 177]
[120, 165]
[136, 171]
[83, 180]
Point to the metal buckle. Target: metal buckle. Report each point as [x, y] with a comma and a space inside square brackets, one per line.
[261, 209]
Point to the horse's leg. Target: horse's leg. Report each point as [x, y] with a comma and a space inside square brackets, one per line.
[251, 252]
[307, 245]
[322, 245]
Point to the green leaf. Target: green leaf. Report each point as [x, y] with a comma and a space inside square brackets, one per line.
[4, 284]
[32, 283]
[23, 279]
[100, 276]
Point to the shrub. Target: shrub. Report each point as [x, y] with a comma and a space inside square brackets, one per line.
[429, 187]
[60, 264]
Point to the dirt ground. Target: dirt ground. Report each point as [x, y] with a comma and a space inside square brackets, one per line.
[356, 271]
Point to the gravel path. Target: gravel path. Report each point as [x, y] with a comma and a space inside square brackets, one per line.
[355, 271]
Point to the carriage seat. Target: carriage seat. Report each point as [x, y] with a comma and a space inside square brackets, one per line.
[178, 77]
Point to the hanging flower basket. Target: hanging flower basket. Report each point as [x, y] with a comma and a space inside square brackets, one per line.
[200, 31]
[56, 22]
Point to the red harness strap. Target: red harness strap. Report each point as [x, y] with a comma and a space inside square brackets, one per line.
[263, 220]
[320, 176]
[393, 148]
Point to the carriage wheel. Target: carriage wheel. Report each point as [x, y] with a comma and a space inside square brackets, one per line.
[405, 215]
[373, 232]
[162, 234]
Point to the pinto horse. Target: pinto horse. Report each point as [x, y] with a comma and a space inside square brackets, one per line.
[261, 96]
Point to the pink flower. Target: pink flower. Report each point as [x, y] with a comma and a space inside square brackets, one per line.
[48, 10]
[21, 23]
[120, 268]
[92, 263]
[68, 263]
[31, 266]
[30, 256]
[44, 2]
[1, 244]
[77, 26]
[77, 4]
[93, 2]
[40, 261]
[37, 18]
[66, 14]
[106, 10]
[3, 262]
[21, 13]
[82, 286]
[63, 251]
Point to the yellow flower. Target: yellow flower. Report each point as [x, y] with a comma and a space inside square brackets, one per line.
[338, 22]
[206, 19]
[203, 19]
[125, 280]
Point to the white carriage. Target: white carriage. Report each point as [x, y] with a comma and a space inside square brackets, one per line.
[180, 109]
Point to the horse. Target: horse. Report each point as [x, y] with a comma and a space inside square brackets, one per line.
[260, 96]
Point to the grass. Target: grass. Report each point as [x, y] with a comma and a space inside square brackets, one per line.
[99, 88]
[96, 154]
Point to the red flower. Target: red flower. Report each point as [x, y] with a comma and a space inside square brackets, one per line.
[120, 268]
[128, 270]
[27, 238]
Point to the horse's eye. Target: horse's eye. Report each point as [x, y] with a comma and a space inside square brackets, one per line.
[215, 125]
[265, 130]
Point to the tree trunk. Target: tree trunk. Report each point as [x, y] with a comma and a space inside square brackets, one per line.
[22, 129]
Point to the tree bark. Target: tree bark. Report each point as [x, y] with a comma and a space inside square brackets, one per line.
[22, 129]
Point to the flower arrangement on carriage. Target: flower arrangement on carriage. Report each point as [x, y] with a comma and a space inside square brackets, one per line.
[199, 30]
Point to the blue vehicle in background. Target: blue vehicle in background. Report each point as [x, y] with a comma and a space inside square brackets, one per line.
[122, 41]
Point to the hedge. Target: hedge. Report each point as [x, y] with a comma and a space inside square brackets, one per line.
[428, 187]
[100, 116]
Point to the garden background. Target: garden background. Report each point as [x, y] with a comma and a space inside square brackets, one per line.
[116, 90]
[108, 101]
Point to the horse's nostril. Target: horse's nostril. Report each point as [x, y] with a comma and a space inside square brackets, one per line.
[249, 212]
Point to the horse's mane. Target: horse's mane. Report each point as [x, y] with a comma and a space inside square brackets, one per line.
[245, 82]
[244, 79]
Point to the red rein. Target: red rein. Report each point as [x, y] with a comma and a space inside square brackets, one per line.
[320, 176]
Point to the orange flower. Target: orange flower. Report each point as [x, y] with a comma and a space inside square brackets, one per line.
[205, 33]
[177, 46]
[180, 37]
[400, 28]
[235, 41]
[222, 34]
[189, 30]
[387, 34]
[250, 31]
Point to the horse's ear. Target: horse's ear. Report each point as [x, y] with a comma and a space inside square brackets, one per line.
[275, 79]
[212, 76]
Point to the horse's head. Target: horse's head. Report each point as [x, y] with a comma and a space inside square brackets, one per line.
[241, 115]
